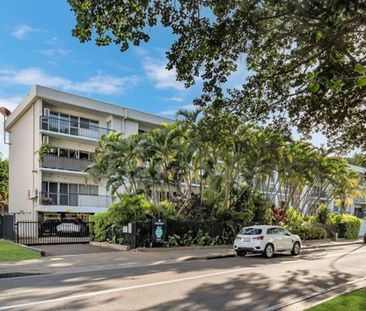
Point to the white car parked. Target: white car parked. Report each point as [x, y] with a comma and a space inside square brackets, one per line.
[266, 240]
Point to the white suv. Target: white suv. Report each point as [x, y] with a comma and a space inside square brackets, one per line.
[266, 240]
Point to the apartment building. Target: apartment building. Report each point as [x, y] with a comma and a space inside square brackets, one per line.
[52, 140]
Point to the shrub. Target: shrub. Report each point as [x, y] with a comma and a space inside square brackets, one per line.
[306, 232]
[294, 217]
[348, 226]
[323, 214]
[130, 208]
[100, 226]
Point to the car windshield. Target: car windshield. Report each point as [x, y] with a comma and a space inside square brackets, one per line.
[250, 231]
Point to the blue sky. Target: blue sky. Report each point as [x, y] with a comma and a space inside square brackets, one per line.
[37, 48]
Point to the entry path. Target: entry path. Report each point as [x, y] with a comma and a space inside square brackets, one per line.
[249, 283]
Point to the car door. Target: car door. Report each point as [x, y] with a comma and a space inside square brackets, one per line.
[285, 239]
[275, 238]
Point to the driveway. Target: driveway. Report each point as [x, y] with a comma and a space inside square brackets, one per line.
[73, 249]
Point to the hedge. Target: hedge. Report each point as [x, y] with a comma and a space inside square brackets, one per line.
[348, 226]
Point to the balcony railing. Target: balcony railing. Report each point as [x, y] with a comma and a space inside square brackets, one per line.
[360, 200]
[73, 128]
[74, 199]
[63, 163]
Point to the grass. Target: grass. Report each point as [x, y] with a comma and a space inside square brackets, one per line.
[355, 301]
[12, 252]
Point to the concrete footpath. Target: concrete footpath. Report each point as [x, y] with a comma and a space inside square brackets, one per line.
[122, 259]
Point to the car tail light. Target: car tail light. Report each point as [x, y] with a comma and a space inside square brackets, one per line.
[261, 237]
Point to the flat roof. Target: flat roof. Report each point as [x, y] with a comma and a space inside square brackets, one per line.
[42, 92]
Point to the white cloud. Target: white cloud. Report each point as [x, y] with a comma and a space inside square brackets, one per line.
[97, 84]
[21, 31]
[10, 102]
[172, 112]
[56, 52]
[161, 77]
[176, 99]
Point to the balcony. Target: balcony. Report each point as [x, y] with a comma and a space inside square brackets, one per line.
[72, 128]
[360, 200]
[62, 163]
[74, 200]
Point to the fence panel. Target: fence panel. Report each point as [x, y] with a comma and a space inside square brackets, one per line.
[52, 232]
[7, 227]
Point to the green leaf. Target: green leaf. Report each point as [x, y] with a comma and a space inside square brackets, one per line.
[314, 87]
[318, 35]
[361, 82]
[310, 76]
[360, 69]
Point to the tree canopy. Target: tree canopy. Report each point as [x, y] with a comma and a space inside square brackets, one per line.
[246, 164]
[305, 60]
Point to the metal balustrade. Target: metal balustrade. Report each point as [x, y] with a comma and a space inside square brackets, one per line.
[63, 163]
[69, 127]
[74, 199]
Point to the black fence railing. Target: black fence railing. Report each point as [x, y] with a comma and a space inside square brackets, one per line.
[178, 233]
[74, 199]
[63, 163]
[74, 128]
[52, 232]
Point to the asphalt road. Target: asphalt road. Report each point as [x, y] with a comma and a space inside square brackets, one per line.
[249, 283]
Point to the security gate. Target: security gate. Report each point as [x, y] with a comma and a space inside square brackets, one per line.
[52, 232]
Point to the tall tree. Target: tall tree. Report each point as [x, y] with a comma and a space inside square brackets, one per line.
[305, 61]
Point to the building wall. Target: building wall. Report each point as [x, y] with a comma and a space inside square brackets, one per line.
[130, 127]
[23, 164]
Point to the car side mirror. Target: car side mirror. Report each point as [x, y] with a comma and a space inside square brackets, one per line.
[288, 233]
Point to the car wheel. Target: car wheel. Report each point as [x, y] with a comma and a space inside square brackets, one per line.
[268, 251]
[296, 249]
[241, 253]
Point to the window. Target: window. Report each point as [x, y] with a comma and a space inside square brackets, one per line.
[93, 190]
[84, 155]
[272, 231]
[64, 153]
[281, 231]
[250, 231]
[83, 189]
[73, 154]
[84, 123]
[64, 123]
[88, 189]
[109, 125]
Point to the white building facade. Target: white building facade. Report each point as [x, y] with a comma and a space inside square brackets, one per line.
[52, 140]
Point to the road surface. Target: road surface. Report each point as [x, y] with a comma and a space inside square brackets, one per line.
[249, 283]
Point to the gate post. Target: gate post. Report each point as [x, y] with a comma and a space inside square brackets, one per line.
[17, 232]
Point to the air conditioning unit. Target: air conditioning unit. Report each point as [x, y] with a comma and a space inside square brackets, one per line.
[45, 140]
[46, 112]
[32, 193]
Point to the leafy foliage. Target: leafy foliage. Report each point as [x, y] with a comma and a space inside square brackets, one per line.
[304, 60]
[4, 185]
[348, 225]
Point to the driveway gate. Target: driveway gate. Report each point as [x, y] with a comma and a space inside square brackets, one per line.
[52, 232]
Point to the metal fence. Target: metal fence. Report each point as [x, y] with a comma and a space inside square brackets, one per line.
[52, 232]
[63, 163]
[141, 234]
[72, 127]
[74, 199]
